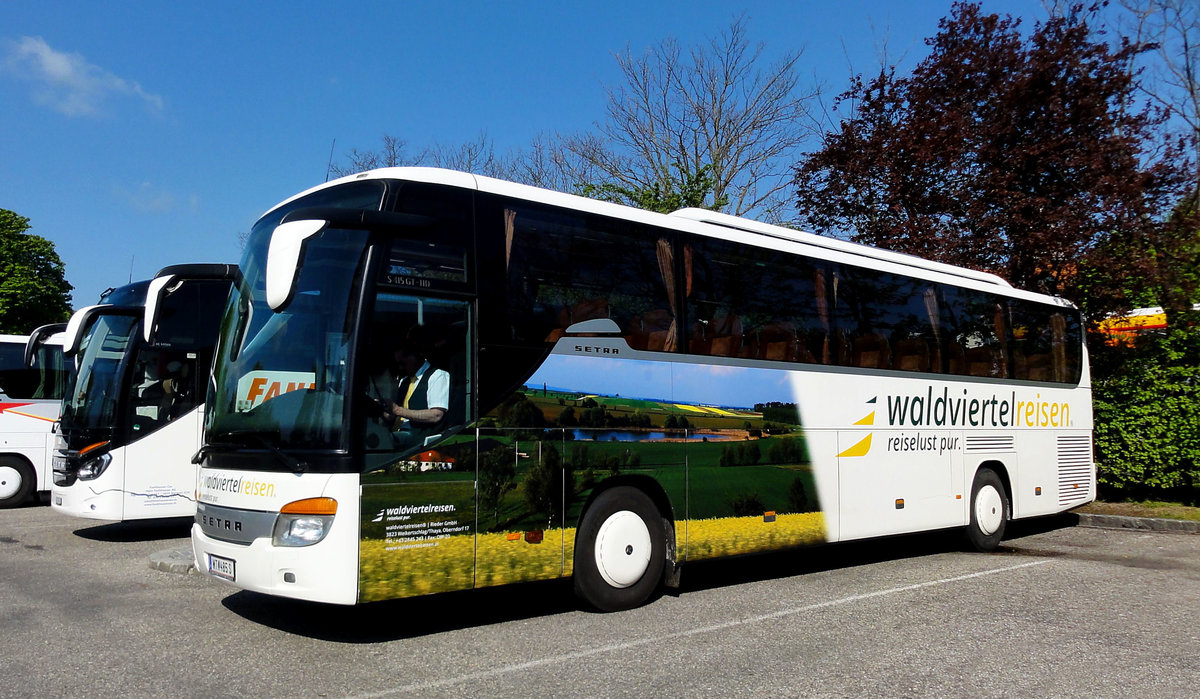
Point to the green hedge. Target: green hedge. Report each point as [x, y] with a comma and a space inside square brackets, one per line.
[1147, 410]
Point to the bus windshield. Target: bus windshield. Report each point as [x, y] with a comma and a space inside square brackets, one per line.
[280, 375]
[91, 404]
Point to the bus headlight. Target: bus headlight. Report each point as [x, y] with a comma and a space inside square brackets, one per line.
[92, 468]
[304, 522]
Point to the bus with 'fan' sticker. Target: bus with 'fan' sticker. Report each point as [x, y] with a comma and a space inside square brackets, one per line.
[430, 381]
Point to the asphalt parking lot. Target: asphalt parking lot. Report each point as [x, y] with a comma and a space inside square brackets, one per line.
[1060, 610]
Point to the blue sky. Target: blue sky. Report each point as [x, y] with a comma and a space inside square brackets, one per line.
[135, 135]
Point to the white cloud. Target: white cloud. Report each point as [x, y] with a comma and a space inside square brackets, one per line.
[67, 82]
[147, 198]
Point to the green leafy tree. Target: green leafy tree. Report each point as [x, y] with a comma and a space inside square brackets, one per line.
[670, 193]
[497, 476]
[747, 505]
[33, 285]
[785, 451]
[567, 418]
[798, 501]
[547, 484]
[518, 411]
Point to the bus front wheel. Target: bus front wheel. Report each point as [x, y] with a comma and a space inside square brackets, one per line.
[620, 550]
[990, 511]
[16, 481]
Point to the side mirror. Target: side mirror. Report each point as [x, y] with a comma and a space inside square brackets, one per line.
[154, 296]
[168, 280]
[79, 320]
[38, 338]
[285, 257]
[82, 320]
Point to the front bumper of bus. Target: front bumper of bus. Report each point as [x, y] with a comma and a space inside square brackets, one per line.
[83, 500]
[324, 572]
[101, 497]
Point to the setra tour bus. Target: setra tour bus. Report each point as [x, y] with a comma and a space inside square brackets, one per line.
[131, 420]
[33, 377]
[431, 381]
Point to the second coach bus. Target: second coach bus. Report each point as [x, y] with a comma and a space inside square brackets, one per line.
[431, 381]
[132, 415]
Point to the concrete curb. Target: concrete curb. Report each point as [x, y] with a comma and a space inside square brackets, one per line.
[1095, 521]
[173, 561]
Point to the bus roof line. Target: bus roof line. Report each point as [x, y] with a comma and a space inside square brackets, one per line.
[716, 218]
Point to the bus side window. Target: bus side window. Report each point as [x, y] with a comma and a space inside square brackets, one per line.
[567, 267]
[744, 302]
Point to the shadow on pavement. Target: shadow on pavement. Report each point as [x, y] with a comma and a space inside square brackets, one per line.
[406, 618]
[148, 530]
[421, 616]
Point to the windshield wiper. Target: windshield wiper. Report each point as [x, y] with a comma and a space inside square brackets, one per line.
[294, 464]
[209, 446]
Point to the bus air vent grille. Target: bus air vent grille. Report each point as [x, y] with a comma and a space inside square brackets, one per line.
[1074, 468]
[986, 443]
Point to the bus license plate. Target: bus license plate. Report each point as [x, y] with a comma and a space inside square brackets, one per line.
[221, 567]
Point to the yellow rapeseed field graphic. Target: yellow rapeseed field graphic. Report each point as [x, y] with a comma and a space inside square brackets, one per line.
[462, 561]
[733, 536]
[449, 564]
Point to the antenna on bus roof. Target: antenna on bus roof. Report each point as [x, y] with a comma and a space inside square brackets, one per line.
[329, 165]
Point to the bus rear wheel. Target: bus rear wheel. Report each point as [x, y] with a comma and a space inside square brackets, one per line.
[990, 511]
[16, 481]
[620, 550]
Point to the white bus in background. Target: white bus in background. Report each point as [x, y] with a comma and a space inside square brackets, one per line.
[31, 391]
[500, 384]
[131, 419]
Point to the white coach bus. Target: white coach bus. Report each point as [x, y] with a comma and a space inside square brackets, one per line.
[131, 419]
[31, 391]
[431, 381]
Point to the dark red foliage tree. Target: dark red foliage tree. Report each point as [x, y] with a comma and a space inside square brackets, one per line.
[1028, 158]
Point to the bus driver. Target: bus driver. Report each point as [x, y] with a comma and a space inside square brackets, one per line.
[420, 393]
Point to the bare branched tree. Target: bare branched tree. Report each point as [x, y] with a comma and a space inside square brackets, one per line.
[391, 154]
[714, 108]
[549, 164]
[1172, 76]
[478, 156]
[714, 124]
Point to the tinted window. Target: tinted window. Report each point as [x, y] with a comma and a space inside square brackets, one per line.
[565, 267]
[754, 303]
[762, 304]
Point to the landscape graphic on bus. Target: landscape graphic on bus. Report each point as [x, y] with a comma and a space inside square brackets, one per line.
[723, 442]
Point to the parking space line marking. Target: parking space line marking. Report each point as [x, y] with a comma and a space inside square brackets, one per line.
[627, 645]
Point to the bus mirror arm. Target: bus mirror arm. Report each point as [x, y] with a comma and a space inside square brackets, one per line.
[38, 338]
[285, 254]
[169, 278]
[82, 319]
[285, 257]
[198, 457]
